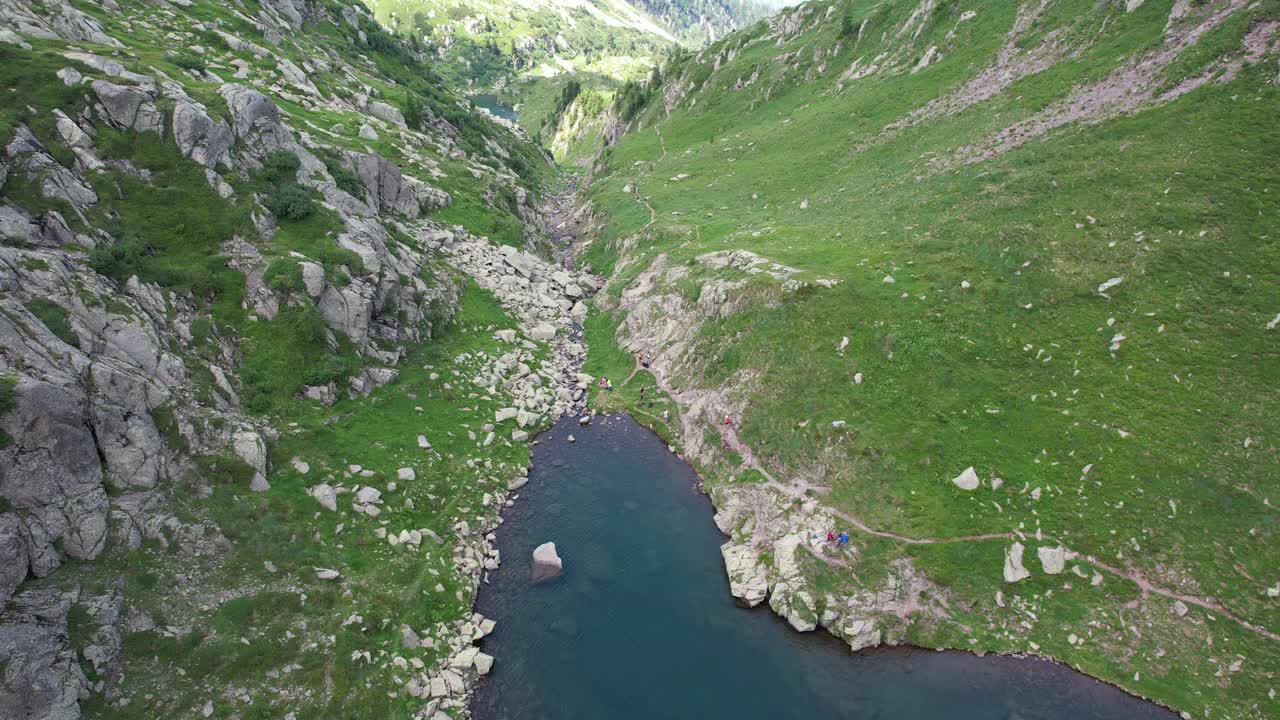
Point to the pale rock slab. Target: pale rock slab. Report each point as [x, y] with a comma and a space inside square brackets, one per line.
[967, 480]
[546, 563]
[1013, 568]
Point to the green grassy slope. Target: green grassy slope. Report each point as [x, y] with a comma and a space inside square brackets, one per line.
[258, 620]
[223, 603]
[992, 345]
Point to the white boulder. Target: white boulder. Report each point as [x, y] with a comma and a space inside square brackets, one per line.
[546, 563]
[1052, 559]
[1013, 569]
[967, 480]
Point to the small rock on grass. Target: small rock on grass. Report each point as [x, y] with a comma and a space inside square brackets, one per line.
[967, 480]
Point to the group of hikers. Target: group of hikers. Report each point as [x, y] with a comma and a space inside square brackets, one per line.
[838, 539]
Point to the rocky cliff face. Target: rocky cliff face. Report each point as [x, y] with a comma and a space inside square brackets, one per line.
[123, 350]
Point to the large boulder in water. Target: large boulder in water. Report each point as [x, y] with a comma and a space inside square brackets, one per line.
[546, 563]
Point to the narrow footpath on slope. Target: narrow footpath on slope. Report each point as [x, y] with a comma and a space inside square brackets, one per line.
[800, 488]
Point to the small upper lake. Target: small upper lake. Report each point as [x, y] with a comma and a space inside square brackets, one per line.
[495, 106]
[642, 624]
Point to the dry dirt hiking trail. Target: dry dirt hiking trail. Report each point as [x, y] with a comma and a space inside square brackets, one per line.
[800, 487]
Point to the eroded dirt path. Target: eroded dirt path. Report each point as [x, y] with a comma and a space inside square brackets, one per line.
[800, 487]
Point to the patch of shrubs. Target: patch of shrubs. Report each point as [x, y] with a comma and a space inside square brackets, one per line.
[8, 401]
[189, 61]
[224, 469]
[201, 329]
[120, 260]
[8, 394]
[284, 275]
[284, 197]
[54, 317]
[332, 369]
[291, 202]
[279, 167]
[346, 180]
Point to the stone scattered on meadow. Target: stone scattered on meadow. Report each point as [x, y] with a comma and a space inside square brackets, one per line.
[1013, 569]
[967, 480]
[1052, 559]
[326, 496]
[408, 638]
[1104, 287]
[406, 473]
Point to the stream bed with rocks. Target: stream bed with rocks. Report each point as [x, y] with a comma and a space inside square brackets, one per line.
[641, 622]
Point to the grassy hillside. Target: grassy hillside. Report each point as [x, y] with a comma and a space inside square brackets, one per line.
[1048, 232]
[221, 276]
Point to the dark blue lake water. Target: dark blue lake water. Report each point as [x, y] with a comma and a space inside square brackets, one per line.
[642, 624]
[495, 106]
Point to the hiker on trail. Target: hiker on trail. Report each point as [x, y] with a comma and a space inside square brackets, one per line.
[727, 421]
[608, 385]
[666, 414]
[603, 382]
[831, 536]
[844, 539]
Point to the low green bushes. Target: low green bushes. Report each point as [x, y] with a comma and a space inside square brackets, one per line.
[54, 317]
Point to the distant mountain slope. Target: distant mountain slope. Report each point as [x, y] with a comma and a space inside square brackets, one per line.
[698, 22]
[994, 287]
[483, 42]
